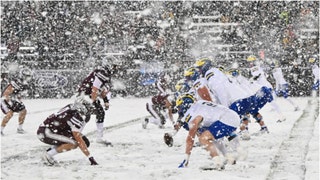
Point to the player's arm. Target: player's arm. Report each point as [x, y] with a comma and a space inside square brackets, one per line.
[106, 96]
[81, 144]
[169, 107]
[6, 95]
[7, 92]
[193, 128]
[204, 93]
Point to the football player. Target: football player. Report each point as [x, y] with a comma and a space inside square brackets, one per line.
[63, 130]
[281, 86]
[156, 107]
[226, 92]
[210, 122]
[315, 71]
[11, 99]
[259, 79]
[161, 84]
[96, 86]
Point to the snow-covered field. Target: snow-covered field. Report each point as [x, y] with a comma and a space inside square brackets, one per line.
[289, 151]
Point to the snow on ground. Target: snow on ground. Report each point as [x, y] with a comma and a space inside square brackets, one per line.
[289, 151]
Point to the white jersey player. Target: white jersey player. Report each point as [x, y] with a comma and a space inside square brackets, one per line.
[228, 93]
[260, 80]
[315, 72]
[281, 86]
[210, 122]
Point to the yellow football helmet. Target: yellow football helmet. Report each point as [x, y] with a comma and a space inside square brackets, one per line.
[204, 64]
[191, 73]
[312, 60]
[251, 58]
[184, 102]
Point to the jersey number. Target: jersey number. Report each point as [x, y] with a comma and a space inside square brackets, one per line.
[209, 104]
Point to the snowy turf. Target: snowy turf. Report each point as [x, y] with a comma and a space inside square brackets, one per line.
[289, 151]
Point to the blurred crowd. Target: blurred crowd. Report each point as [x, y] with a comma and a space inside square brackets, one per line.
[78, 35]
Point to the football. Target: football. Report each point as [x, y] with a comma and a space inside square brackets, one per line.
[168, 139]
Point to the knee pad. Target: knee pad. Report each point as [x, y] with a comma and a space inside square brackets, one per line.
[258, 119]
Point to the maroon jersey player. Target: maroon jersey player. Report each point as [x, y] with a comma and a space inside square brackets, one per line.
[97, 86]
[63, 131]
[11, 99]
[161, 84]
[157, 106]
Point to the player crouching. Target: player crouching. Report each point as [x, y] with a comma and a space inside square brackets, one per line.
[63, 131]
[210, 122]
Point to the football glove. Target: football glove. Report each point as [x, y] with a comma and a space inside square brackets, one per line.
[185, 162]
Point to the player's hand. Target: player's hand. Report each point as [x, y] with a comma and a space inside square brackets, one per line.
[93, 161]
[185, 162]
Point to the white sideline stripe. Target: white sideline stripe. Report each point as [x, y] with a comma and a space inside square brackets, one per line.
[289, 145]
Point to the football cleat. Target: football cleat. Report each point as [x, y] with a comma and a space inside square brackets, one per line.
[105, 142]
[144, 123]
[21, 131]
[48, 159]
[264, 130]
